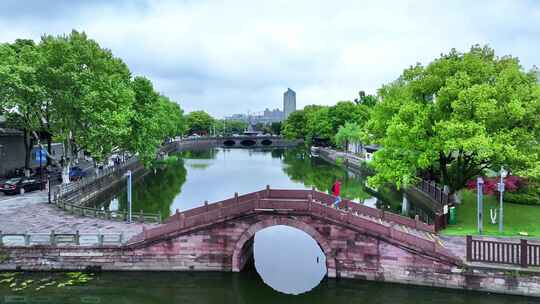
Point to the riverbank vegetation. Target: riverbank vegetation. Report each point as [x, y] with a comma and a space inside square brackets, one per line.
[69, 89]
[519, 219]
[461, 116]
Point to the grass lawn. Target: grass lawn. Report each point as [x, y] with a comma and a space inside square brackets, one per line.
[517, 218]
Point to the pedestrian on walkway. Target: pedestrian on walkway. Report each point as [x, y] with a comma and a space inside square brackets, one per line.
[336, 191]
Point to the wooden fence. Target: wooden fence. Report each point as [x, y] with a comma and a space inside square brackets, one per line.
[520, 253]
[59, 239]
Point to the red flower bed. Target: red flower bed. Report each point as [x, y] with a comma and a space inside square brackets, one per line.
[511, 184]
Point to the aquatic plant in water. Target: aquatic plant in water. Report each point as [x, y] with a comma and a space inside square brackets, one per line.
[17, 282]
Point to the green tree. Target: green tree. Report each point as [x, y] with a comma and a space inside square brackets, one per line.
[345, 111]
[229, 127]
[21, 90]
[350, 132]
[90, 93]
[172, 120]
[458, 116]
[319, 122]
[294, 127]
[275, 127]
[199, 122]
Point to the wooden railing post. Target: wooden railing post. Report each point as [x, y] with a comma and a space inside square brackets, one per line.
[524, 250]
[141, 216]
[52, 238]
[144, 232]
[267, 191]
[121, 238]
[100, 238]
[257, 201]
[310, 202]
[469, 248]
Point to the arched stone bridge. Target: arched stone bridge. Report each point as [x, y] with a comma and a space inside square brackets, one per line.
[358, 241]
[241, 141]
[253, 141]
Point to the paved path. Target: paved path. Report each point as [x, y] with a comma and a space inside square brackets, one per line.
[31, 213]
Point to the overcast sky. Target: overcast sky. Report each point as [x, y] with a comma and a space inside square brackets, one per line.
[231, 56]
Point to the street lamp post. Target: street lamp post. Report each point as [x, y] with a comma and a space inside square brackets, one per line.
[128, 174]
[501, 191]
[480, 205]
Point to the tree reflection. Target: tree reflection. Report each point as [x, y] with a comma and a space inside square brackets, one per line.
[156, 191]
[204, 153]
[315, 172]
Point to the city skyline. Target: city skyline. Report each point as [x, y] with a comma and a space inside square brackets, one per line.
[269, 116]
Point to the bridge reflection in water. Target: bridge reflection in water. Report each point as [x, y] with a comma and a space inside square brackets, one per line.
[288, 259]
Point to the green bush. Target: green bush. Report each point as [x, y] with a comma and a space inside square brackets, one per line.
[521, 198]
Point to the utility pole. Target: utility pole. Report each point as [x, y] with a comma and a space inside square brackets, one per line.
[480, 205]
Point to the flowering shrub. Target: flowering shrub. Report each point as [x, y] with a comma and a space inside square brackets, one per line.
[512, 183]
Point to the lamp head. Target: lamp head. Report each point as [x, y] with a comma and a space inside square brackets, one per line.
[504, 173]
[480, 180]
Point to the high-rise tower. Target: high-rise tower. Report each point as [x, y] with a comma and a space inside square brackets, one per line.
[289, 103]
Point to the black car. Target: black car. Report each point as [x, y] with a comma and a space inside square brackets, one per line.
[21, 185]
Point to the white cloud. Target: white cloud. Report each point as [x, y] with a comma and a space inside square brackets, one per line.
[234, 56]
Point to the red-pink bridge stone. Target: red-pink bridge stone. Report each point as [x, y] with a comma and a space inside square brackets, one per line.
[358, 241]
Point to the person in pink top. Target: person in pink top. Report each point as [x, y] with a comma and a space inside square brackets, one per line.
[336, 192]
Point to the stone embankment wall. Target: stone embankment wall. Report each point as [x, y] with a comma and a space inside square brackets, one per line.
[227, 246]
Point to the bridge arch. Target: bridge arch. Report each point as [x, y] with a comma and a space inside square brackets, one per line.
[266, 142]
[248, 142]
[229, 143]
[246, 239]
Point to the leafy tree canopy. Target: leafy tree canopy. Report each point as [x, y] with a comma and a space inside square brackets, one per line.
[199, 122]
[458, 116]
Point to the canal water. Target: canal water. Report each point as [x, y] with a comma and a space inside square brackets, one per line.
[287, 259]
[236, 288]
[192, 177]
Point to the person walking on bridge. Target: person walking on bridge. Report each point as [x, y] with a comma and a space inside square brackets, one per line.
[336, 191]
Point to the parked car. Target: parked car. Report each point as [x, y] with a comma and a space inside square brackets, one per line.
[21, 185]
[76, 173]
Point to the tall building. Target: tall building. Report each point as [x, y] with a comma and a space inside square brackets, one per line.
[289, 103]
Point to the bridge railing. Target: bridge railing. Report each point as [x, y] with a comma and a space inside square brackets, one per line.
[302, 195]
[434, 192]
[301, 201]
[119, 215]
[61, 239]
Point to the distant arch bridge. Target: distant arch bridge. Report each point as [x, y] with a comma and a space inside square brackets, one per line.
[243, 141]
